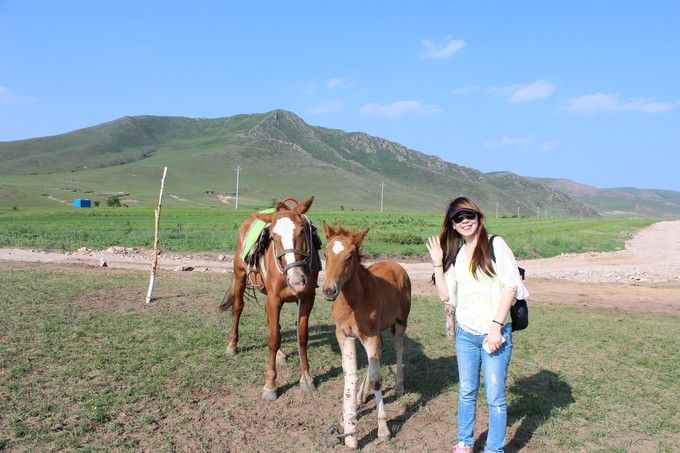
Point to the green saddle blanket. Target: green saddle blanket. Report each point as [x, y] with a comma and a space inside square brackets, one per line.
[253, 234]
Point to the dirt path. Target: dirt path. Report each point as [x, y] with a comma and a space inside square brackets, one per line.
[643, 277]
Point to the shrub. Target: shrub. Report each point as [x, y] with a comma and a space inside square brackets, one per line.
[113, 201]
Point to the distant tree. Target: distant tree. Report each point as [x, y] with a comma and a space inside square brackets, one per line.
[113, 201]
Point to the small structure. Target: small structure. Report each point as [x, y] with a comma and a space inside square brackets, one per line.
[82, 203]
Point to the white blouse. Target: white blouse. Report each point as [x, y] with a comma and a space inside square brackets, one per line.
[477, 299]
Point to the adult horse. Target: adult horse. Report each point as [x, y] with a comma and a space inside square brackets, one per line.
[286, 270]
[367, 300]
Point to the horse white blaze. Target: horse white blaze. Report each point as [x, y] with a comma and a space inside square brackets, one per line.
[285, 228]
[337, 247]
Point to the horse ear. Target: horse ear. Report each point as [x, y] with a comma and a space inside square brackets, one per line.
[327, 230]
[303, 207]
[359, 236]
[265, 217]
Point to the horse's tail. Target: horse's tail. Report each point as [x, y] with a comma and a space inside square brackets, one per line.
[228, 299]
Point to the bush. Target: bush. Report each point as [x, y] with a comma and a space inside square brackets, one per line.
[113, 201]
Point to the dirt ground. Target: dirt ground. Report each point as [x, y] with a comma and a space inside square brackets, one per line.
[644, 277]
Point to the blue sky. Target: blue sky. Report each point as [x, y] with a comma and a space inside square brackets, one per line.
[583, 90]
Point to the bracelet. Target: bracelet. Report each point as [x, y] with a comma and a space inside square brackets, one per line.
[437, 265]
[499, 323]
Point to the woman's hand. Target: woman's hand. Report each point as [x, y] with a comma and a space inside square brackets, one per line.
[435, 249]
[494, 338]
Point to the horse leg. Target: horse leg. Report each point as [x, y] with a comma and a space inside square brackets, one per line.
[274, 343]
[364, 390]
[399, 334]
[234, 298]
[373, 348]
[349, 401]
[304, 309]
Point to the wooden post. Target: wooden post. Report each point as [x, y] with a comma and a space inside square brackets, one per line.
[154, 260]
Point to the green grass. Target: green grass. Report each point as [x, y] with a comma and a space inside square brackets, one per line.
[206, 229]
[86, 365]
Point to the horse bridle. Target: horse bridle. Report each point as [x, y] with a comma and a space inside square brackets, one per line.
[306, 254]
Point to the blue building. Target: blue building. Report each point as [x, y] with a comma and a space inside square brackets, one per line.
[82, 203]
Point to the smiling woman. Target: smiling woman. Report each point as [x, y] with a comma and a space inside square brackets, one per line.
[482, 290]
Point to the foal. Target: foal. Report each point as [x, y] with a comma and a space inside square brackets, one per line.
[367, 300]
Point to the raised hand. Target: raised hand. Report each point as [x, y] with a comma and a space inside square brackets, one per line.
[435, 249]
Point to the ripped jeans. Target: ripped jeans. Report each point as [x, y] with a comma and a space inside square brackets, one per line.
[471, 357]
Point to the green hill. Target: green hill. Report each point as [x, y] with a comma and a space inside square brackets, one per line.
[278, 154]
[622, 201]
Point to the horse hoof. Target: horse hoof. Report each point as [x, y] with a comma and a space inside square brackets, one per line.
[351, 442]
[269, 395]
[383, 432]
[307, 385]
[231, 351]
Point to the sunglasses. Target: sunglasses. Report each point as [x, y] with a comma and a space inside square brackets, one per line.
[460, 216]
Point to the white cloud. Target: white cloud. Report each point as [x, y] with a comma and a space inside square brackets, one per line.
[531, 92]
[442, 50]
[336, 83]
[606, 102]
[326, 107]
[400, 108]
[510, 142]
[516, 94]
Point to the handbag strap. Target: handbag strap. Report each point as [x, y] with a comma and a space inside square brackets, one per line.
[493, 255]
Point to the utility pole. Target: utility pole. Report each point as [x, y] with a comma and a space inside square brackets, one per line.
[382, 192]
[538, 213]
[496, 210]
[517, 212]
[238, 174]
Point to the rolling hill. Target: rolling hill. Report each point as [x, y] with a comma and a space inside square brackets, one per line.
[279, 155]
[622, 201]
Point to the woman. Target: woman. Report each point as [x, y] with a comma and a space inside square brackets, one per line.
[482, 292]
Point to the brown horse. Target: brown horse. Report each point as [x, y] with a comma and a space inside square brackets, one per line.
[287, 271]
[367, 300]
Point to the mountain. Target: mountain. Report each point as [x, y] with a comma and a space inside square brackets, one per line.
[622, 201]
[278, 155]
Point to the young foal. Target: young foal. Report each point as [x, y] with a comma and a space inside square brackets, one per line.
[368, 300]
[286, 272]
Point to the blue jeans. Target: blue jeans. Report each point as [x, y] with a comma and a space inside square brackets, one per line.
[470, 356]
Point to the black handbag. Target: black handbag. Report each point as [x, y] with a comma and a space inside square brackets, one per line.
[519, 311]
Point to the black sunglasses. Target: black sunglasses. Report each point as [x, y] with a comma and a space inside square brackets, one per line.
[459, 217]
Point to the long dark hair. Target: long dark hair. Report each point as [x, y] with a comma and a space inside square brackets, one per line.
[452, 241]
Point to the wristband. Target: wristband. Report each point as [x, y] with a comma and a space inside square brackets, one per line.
[499, 323]
[437, 265]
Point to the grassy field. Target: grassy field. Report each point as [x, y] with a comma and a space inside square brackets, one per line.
[205, 229]
[87, 366]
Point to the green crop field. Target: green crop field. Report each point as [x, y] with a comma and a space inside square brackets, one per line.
[87, 366]
[212, 229]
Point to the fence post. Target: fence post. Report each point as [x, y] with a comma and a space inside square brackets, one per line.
[154, 260]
